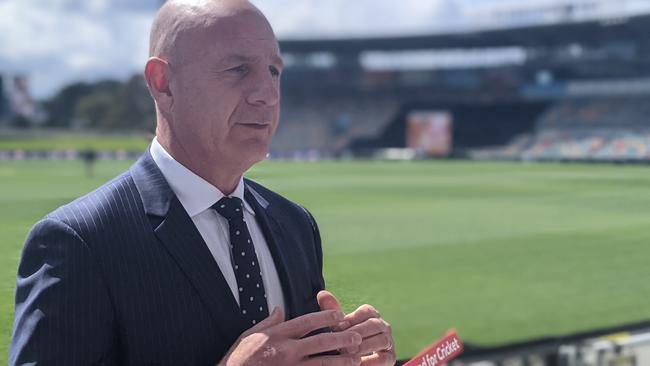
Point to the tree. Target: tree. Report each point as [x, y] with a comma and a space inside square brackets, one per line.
[60, 108]
[107, 105]
[93, 110]
[135, 107]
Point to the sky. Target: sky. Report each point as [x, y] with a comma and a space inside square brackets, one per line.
[56, 42]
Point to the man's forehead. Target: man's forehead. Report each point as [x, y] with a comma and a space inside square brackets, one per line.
[246, 26]
[228, 41]
[228, 49]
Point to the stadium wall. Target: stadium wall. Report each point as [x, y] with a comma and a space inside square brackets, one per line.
[474, 125]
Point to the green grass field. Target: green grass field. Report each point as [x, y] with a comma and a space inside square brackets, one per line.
[74, 141]
[500, 251]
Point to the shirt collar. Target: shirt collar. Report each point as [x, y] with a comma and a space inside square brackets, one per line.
[195, 193]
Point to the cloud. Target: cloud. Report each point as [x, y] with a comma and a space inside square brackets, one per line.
[339, 18]
[59, 41]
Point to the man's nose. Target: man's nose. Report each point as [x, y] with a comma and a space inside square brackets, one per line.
[265, 92]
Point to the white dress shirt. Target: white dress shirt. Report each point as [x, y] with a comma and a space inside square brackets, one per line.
[197, 196]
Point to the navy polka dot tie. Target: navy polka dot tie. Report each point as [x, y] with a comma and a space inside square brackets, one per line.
[252, 298]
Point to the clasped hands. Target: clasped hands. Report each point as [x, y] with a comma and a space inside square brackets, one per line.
[361, 338]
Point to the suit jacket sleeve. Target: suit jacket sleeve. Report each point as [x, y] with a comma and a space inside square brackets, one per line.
[318, 249]
[63, 313]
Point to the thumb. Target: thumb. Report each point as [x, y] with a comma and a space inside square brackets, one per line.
[276, 317]
[327, 301]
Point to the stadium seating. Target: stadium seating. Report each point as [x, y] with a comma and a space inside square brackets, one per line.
[594, 129]
[327, 124]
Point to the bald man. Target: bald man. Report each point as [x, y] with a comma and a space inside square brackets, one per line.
[180, 260]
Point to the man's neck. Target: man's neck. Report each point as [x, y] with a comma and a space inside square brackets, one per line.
[225, 178]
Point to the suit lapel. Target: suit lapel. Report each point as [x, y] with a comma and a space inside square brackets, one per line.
[180, 237]
[280, 248]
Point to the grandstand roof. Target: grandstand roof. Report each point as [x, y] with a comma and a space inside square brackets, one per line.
[587, 33]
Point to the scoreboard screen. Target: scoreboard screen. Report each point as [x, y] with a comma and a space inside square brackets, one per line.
[429, 132]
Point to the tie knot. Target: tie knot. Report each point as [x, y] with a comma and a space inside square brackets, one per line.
[230, 208]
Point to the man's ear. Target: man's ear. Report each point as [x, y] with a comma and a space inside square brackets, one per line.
[157, 72]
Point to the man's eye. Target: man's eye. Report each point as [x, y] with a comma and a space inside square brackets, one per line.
[241, 69]
[274, 71]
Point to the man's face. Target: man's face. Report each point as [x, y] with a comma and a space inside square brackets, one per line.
[226, 92]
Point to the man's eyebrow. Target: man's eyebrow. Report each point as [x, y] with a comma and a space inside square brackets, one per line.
[236, 58]
[248, 59]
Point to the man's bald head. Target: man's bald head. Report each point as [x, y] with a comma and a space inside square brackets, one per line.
[177, 20]
[214, 73]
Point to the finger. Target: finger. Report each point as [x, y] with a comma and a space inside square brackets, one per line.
[347, 360]
[384, 358]
[372, 327]
[376, 343]
[369, 329]
[305, 324]
[327, 301]
[324, 342]
[276, 317]
[363, 313]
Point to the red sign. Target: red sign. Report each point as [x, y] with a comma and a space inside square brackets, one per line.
[440, 352]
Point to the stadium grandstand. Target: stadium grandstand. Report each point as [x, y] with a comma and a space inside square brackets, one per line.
[569, 85]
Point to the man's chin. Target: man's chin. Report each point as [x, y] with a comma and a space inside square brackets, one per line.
[255, 151]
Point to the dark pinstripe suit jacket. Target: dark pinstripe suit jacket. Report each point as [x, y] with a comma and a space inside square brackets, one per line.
[121, 276]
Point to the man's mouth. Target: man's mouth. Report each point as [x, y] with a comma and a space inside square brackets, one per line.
[256, 126]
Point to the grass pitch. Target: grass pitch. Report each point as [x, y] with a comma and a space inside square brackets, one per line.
[48, 141]
[500, 251]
